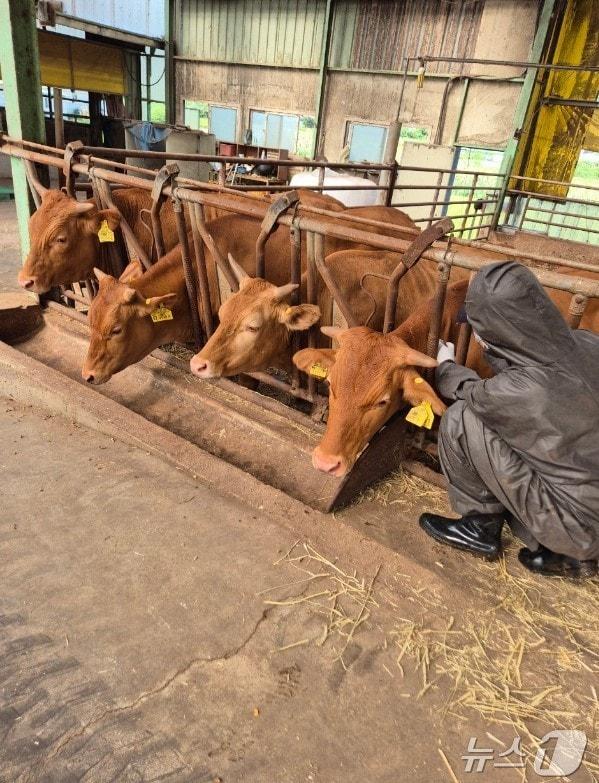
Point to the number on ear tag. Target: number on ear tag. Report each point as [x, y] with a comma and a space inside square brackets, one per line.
[421, 415]
[161, 313]
[318, 371]
[105, 233]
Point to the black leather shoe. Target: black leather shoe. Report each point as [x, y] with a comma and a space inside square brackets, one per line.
[549, 563]
[476, 533]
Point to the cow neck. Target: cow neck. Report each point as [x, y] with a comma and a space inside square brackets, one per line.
[413, 331]
[166, 277]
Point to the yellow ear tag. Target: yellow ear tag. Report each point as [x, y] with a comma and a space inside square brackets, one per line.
[421, 415]
[105, 233]
[318, 371]
[161, 313]
[418, 380]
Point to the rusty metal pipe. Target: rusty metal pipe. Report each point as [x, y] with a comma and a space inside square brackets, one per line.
[392, 292]
[434, 331]
[295, 276]
[200, 258]
[190, 280]
[576, 309]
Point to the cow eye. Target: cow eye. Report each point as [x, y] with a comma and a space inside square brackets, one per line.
[252, 329]
[381, 403]
[117, 330]
[61, 240]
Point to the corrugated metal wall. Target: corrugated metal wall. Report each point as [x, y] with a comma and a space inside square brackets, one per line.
[367, 34]
[145, 17]
[288, 32]
[377, 34]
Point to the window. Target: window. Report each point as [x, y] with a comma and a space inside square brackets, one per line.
[367, 141]
[220, 120]
[152, 87]
[291, 132]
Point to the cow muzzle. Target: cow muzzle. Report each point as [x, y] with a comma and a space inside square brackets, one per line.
[94, 378]
[333, 464]
[29, 283]
[203, 368]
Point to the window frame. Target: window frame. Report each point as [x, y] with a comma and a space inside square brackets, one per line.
[348, 135]
[217, 105]
[280, 113]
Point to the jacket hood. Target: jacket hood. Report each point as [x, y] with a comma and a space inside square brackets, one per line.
[511, 312]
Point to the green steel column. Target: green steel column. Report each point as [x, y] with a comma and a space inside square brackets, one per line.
[523, 101]
[19, 60]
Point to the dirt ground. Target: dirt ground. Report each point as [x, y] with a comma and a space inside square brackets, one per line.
[156, 628]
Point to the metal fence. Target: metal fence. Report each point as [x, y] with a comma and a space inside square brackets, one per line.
[575, 217]
[101, 174]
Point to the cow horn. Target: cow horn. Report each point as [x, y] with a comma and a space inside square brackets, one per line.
[415, 358]
[284, 290]
[238, 270]
[81, 207]
[334, 332]
[100, 275]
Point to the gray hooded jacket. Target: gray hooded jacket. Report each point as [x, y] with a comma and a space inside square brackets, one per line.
[543, 402]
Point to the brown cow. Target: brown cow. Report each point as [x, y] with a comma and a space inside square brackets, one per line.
[371, 376]
[63, 232]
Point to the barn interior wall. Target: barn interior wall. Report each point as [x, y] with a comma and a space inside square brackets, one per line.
[505, 31]
[246, 87]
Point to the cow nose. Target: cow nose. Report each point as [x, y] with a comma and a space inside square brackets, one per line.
[27, 282]
[88, 377]
[332, 464]
[201, 367]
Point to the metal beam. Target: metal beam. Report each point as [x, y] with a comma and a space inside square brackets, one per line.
[170, 101]
[114, 33]
[322, 76]
[537, 50]
[19, 60]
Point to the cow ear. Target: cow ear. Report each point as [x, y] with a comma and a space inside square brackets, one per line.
[417, 390]
[299, 317]
[306, 359]
[132, 271]
[153, 302]
[94, 221]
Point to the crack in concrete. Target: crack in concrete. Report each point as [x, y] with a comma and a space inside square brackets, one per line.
[170, 680]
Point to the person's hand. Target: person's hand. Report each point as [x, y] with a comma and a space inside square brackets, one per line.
[445, 352]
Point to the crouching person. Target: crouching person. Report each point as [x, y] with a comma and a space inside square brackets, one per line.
[522, 447]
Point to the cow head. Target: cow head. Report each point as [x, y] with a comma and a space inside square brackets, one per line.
[370, 377]
[64, 245]
[121, 332]
[255, 328]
